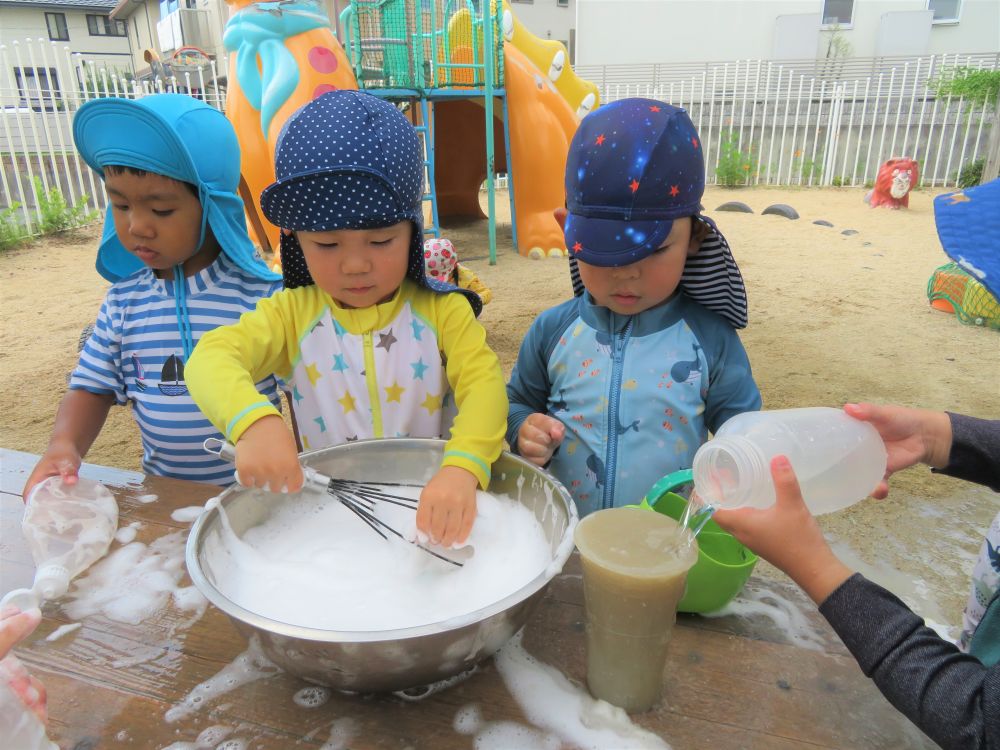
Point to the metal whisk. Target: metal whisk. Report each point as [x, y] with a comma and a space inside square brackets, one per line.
[357, 497]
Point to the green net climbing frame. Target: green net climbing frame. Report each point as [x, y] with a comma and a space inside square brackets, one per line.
[422, 44]
[971, 301]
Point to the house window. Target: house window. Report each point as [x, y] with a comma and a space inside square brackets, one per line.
[838, 12]
[57, 27]
[105, 26]
[562, 3]
[945, 11]
[37, 88]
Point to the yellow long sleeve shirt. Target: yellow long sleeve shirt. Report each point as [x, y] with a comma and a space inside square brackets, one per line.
[415, 366]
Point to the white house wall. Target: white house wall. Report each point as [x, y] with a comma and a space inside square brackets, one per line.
[18, 24]
[547, 19]
[646, 31]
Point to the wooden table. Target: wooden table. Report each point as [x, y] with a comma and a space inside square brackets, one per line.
[735, 682]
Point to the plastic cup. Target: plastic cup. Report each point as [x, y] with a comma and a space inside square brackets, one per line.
[634, 568]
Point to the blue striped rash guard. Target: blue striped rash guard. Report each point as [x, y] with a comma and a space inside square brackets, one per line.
[637, 393]
[136, 354]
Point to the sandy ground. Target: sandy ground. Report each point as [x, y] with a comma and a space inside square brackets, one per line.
[833, 318]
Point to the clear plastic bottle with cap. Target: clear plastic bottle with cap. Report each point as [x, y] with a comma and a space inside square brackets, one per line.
[68, 527]
[838, 460]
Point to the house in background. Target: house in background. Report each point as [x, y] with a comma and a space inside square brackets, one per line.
[549, 19]
[610, 32]
[83, 26]
[161, 31]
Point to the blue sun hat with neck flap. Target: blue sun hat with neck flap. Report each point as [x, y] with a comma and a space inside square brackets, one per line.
[633, 167]
[968, 225]
[349, 160]
[176, 136]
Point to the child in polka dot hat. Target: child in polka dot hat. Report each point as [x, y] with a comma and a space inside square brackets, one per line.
[441, 263]
[619, 386]
[368, 345]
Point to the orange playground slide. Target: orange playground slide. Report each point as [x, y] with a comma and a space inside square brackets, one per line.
[541, 127]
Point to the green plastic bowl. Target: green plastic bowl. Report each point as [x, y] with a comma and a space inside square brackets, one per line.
[723, 565]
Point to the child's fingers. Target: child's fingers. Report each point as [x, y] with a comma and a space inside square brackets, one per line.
[786, 484]
[15, 626]
[424, 511]
[68, 470]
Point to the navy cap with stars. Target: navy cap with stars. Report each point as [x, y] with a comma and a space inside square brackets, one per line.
[348, 160]
[633, 166]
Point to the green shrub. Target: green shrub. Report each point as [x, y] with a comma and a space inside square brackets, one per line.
[838, 181]
[55, 215]
[12, 231]
[808, 170]
[971, 174]
[735, 166]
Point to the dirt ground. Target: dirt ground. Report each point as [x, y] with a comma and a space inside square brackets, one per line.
[833, 318]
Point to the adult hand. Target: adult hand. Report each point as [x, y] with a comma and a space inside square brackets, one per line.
[911, 436]
[538, 438]
[60, 459]
[16, 625]
[787, 535]
[447, 507]
[266, 456]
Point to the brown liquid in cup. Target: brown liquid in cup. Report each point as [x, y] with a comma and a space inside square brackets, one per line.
[634, 566]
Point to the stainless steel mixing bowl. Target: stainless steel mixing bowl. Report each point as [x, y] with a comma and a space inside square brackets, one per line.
[372, 661]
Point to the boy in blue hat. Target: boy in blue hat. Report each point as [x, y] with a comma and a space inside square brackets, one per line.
[368, 345]
[618, 387]
[176, 249]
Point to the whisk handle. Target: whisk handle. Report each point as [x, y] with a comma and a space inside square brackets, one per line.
[224, 450]
[227, 452]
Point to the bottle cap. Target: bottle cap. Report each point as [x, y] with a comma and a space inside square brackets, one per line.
[51, 581]
[23, 599]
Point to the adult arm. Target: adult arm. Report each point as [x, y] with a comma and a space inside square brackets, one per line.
[951, 696]
[975, 450]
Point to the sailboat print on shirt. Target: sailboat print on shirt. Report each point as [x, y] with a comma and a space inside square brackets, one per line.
[173, 370]
[140, 374]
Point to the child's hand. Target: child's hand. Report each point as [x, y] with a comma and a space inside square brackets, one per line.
[787, 535]
[266, 456]
[60, 459]
[911, 436]
[447, 506]
[538, 438]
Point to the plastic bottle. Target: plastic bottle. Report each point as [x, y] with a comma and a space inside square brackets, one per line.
[838, 460]
[67, 528]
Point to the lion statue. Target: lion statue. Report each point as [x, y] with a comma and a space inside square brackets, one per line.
[895, 180]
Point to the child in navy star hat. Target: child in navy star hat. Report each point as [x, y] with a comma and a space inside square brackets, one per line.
[620, 386]
[368, 345]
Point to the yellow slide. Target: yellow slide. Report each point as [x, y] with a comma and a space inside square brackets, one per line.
[551, 57]
[544, 111]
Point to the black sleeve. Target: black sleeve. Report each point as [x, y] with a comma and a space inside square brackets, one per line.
[949, 695]
[975, 450]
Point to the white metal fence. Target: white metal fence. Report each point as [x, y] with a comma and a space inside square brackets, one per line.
[819, 122]
[815, 122]
[42, 84]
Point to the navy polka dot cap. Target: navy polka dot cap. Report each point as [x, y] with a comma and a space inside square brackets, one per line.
[634, 166]
[348, 160]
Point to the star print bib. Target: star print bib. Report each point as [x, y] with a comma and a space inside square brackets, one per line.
[383, 382]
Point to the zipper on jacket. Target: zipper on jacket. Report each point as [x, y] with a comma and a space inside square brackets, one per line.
[372, 384]
[614, 400]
